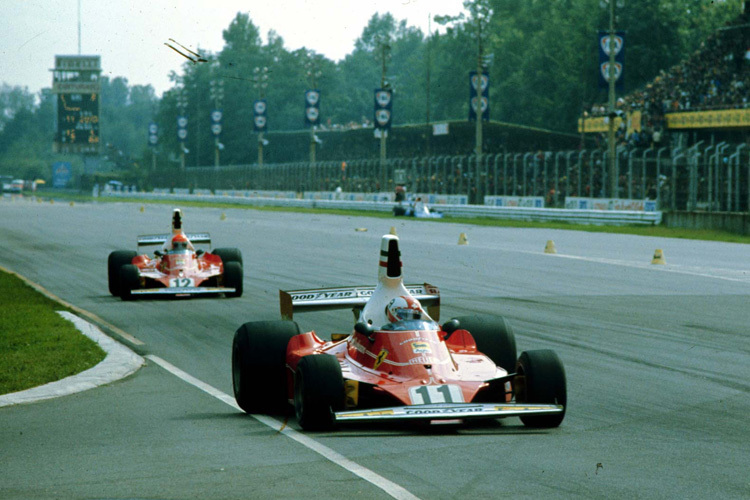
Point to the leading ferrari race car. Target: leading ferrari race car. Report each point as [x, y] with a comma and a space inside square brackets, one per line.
[178, 269]
[397, 364]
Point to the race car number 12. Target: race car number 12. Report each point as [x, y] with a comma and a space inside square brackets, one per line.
[430, 394]
[180, 282]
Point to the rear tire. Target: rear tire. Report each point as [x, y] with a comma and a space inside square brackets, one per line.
[130, 279]
[494, 337]
[228, 255]
[541, 379]
[259, 373]
[115, 261]
[233, 278]
[318, 391]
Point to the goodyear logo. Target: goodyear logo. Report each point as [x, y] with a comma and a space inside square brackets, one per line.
[421, 348]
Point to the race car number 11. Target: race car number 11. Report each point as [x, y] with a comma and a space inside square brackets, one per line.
[181, 282]
[430, 394]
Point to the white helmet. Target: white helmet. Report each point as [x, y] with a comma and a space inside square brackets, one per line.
[403, 308]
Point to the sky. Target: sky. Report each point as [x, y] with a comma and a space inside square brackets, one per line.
[129, 35]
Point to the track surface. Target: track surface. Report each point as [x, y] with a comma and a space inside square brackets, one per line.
[657, 359]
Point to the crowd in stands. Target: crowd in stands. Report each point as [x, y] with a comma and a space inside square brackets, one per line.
[716, 76]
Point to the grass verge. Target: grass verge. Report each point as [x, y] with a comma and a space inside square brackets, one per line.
[37, 345]
[641, 230]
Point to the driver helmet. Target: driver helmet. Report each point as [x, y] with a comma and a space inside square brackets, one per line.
[404, 308]
[179, 242]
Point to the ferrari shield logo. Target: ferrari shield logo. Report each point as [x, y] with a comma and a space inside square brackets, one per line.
[381, 357]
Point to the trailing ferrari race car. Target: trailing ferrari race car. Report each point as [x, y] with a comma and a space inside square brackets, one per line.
[177, 269]
[398, 363]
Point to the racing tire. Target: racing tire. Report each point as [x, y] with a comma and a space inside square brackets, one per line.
[130, 279]
[541, 379]
[228, 255]
[259, 373]
[233, 278]
[115, 261]
[494, 337]
[318, 392]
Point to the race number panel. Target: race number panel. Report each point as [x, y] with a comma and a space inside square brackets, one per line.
[431, 394]
[181, 282]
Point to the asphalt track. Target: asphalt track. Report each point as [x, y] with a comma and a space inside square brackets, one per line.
[657, 359]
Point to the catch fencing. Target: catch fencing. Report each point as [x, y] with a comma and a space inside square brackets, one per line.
[703, 177]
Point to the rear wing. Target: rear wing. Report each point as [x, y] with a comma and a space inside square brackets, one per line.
[320, 299]
[160, 239]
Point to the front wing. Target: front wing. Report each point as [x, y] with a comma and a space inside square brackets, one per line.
[183, 290]
[447, 411]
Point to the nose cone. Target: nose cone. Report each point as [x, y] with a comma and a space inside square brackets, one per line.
[390, 258]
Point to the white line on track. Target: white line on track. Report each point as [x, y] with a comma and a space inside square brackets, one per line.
[384, 484]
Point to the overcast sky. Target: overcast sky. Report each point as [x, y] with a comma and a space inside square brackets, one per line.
[129, 35]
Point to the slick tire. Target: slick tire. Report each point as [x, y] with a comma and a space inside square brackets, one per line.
[318, 392]
[233, 278]
[259, 373]
[228, 255]
[494, 338]
[541, 379]
[130, 279]
[116, 260]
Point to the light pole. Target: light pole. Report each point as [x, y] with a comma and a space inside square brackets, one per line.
[385, 53]
[217, 96]
[312, 74]
[613, 180]
[182, 107]
[260, 82]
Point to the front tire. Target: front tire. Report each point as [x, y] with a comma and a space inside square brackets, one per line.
[130, 279]
[228, 255]
[494, 338]
[541, 379]
[115, 261]
[233, 278]
[318, 391]
[259, 373]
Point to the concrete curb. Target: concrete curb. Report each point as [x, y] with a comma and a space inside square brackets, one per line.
[119, 363]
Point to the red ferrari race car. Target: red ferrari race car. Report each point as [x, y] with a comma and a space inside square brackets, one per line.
[177, 269]
[397, 364]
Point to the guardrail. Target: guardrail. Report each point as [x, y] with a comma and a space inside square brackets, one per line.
[598, 217]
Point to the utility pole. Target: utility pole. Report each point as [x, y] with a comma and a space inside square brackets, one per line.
[260, 79]
[385, 49]
[182, 128]
[217, 96]
[611, 142]
[313, 75]
[479, 110]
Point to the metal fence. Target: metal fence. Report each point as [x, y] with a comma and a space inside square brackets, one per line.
[709, 177]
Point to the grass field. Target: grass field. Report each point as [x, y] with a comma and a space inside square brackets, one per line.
[37, 345]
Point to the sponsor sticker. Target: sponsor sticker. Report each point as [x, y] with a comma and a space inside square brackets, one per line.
[421, 348]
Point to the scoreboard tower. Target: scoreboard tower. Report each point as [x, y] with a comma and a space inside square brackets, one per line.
[75, 81]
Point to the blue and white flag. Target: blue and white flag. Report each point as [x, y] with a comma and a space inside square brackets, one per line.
[383, 107]
[479, 95]
[604, 50]
[259, 115]
[312, 107]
